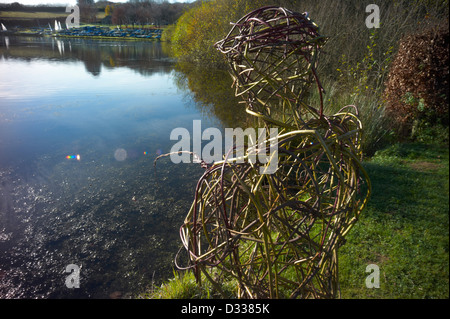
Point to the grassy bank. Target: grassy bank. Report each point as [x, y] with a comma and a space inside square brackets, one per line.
[404, 231]
[18, 15]
[352, 71]
[342, 22]
[39, 15]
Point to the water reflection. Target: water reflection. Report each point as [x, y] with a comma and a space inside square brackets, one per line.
[213, 94]
[81, 122]
[141, 56]
[80, 125]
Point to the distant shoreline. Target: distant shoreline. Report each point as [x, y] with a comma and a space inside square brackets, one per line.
[90, 32]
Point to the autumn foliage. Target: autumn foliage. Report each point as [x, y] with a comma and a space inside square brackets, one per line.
[417, 88]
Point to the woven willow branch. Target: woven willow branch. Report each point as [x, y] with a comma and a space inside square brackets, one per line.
[278, 234]
[273, 53]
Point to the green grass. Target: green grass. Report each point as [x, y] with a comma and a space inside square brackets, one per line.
[38, 15]
[404, 231]
[31, 15]
[183, 286]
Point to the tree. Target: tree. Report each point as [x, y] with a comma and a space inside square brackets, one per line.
[119, 16]
[108, 10]
[143, 14]
[147, 11]
[131, 13]
[16, 6]
[88, 10]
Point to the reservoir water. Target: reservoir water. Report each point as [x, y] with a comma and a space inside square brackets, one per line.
[81, 122]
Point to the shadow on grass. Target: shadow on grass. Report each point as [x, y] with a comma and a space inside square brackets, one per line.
[405, 228]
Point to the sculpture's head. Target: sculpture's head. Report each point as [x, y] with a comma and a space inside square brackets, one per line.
[273, 54]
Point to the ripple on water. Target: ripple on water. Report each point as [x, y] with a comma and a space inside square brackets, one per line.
[116, 226]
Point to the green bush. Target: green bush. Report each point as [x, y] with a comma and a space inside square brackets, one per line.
[198, 29]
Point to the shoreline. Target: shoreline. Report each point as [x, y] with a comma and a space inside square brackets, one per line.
[90, 32]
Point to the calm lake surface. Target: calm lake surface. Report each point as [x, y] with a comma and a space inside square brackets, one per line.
[109, 212]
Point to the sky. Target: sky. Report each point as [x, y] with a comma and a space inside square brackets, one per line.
[64, 2]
